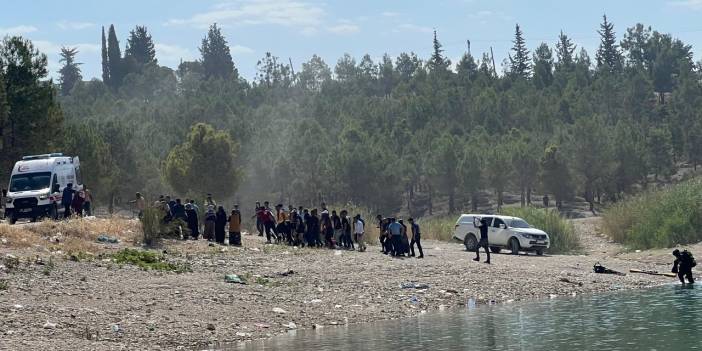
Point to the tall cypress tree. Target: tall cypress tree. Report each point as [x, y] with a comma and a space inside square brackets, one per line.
[520, 65]
[105, 63]
[437, 60]
[70, 72]
[114, 58]
[140, 46]
[216, 57]
[608, 56]
[564, 52]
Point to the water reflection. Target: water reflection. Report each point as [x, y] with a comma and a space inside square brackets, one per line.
[665, 318]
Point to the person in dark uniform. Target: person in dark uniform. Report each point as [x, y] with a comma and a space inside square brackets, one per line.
[483, 224]
[383, 235]
[416, 238]
[684, 261]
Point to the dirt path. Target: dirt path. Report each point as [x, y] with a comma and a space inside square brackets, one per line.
[99, 305]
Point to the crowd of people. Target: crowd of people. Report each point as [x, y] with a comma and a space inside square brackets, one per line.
[294, 226]
[76, 202]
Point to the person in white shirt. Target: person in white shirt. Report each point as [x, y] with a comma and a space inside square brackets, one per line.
[358, 231]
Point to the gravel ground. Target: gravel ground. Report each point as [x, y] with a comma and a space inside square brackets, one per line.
[99, 305]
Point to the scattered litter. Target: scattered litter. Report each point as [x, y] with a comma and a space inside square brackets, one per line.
[115, 328]
[317, 326]
[262, 325]
[49, 325]
[279, 310]
[291, 325]
[442, 307]
[337, 253]
[17, 307]
[338, 306]
[414, 286]
[243, 335]
[316, 301]
[233, 278]
[104, 238]
[210, 327]
[285, 274]
[414, 300]
[553, 296]
[566, 280]
[3, 241]
[451, 291]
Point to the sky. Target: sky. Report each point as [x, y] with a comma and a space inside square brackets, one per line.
[296, 29]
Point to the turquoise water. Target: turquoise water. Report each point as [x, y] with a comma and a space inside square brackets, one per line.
[662, 318]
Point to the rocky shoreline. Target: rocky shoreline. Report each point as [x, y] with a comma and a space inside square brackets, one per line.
[100, 305]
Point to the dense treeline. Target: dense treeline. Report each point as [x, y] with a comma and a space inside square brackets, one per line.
[402, 132]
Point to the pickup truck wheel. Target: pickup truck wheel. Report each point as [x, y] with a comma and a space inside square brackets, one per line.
[495, 249]
[12, 219]
[540, 252]
[514, 246]
[470, 242]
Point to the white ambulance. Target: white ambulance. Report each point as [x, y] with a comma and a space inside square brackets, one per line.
[37, 184]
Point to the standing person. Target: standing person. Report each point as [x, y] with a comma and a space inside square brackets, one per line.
[210, 219]
[88, 204]
[313, 229]
[210, 202]
[281, 217]
[404, 243]
[235, 227]
[178, 211]
[545, 200]
[67, 199]
[306, 218]
[171, 205]
[193, 221]
[416, 238]
[328, 231]
[268, 223]
[77, 203]
[259, 223]
[195, 206]
[483, 224]
[336, 222]
[684, 261]
[346, 231]
[295, 227]
[139, 204]
[359, 230]
[220, 224]
[383, 224]
[395, 231]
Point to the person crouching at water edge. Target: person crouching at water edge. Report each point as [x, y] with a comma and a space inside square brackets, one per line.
[483, 224]
[684, 261]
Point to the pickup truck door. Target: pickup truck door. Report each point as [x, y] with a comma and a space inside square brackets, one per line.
[499, 232]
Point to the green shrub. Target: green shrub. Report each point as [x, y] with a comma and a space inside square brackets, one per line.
[147, 260]
[559, 229]
[437, 228]
[658, 218]
[153, 227]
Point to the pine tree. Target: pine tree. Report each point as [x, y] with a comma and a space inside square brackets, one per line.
[114, 59]
[543, 66]
[140, 47]
[608, 56]
[564, 52]
[70, 72]
[216, 58]
[437, 60]
[105, 62]
[519, 63]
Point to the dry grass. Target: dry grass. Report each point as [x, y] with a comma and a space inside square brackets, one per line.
[76, 235]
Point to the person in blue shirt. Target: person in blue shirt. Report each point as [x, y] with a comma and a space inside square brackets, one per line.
[395, 230]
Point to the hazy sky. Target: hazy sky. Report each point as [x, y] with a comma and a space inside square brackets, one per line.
[296, 29]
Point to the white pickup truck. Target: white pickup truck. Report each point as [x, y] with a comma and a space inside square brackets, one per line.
[511, 233]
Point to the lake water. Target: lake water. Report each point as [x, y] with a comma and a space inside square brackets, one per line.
[662, 318]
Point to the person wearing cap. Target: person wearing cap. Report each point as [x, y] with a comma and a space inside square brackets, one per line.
[416, 239]
[235, 227]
